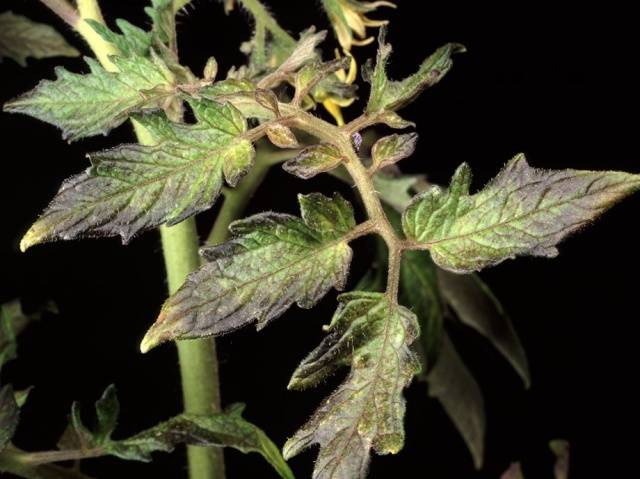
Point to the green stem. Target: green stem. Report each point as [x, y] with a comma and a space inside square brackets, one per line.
[262, 15]
[237, 199]
[198, 360]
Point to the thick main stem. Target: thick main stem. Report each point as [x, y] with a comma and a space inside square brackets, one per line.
[198, 359]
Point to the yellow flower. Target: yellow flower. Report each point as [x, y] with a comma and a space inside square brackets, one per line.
[334, 103]
[350, 22]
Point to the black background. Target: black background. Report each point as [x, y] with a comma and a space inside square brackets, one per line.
[555, 82]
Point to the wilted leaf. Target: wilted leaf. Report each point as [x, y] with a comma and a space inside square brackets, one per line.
[314, 160]
[391, 149]
[21, 38]
[227, 429]
[281, 136]
[9, 415]
[453, 385]
[477, 307]
[523, 211]
[94, 103]
[312, 74]
[371, 334]
[388, 94]
[133, 188]
[272, 261]
[420, 292]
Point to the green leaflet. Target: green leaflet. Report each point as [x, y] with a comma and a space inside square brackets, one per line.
[477, 307]
[372, 334]
[272, 261]
[391, 149]
[395, 190]
[420, 291]
[9, 415]
[388, 94]
[94, 103]
[523, 211]
[132, 188]
[132, 41]
[453, 385]
[314, 160]
[312, 74]
[228, 429]
[21, 38]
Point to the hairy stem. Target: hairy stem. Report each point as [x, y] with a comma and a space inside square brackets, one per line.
[20, 463]
[64, 10]
[45, 457]
[263, 17]
[198, 360]
[341, 138]
[90, 10]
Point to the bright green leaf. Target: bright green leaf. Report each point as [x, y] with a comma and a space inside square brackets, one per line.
[133, 188]
[94, 103]
[388, 94]
[391, 149]
[21, 38]
[477, 307]
[314, 160]
[372, 334]
[453, 385]
[523, 211]
[132, 41]
[272, 261]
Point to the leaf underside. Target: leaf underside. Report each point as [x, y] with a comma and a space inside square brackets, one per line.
[523, 211]
[132, 188]
[22, 38]
[273, 261]
[372, 334]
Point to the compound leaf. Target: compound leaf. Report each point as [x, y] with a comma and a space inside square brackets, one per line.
[83, 105]
[272, 261]
[523, 211]
[388, 94]
[372, 334]
[228, 429]
[21, 38]
[132, 188]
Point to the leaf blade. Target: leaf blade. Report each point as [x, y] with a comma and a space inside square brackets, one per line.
[22, 38]
[523, 211]
[373, 335]
[272, 261]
